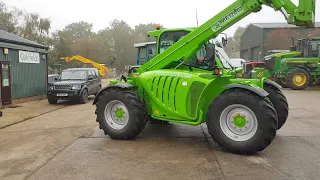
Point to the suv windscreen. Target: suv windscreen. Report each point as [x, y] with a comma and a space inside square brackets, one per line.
[73, 75]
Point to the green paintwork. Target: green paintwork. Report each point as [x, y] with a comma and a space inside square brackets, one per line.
[239, 121]
[174, 89]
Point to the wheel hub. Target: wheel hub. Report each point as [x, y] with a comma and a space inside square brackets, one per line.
[116, 114]
[119, 113]
[299, 79]
[238, 122]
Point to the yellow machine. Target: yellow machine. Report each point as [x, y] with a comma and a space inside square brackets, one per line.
[102, 69]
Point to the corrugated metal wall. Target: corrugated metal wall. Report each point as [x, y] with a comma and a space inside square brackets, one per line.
[26, 79]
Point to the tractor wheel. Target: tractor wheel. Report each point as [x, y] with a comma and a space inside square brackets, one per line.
[298, 79]
[121, 114]
[282, 82]
[241, 121]
[279, 102]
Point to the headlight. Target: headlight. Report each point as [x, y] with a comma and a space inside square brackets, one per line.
[77, 86]
[50, 87]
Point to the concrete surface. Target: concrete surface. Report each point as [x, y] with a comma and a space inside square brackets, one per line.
[48, 147]
[27, 146]
[26, 111]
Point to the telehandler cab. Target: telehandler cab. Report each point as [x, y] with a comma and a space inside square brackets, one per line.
[239, 113]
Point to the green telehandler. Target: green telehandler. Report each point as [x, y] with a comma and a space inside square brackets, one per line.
[172, 87]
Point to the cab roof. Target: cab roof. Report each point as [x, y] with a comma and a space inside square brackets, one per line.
[158, 32]
[143, 44]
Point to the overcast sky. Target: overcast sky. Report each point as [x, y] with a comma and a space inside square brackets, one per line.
[169, 13]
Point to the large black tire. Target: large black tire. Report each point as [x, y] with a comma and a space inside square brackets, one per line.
[266, 121]
[279, 102]
[52, 101]
[291, 76]
[135, 112]
[84, 97]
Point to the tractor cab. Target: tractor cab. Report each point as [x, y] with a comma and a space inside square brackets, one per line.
[146, 51]
[309, 47]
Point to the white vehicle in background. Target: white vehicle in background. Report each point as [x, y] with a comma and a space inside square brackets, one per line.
[237, 62]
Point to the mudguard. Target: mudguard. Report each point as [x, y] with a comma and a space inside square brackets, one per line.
[272, 83]
[258, 91]
[83, 88]
[303, 67]
[122, 86]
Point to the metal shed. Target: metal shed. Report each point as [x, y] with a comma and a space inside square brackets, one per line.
[23, 68]
[259, 38]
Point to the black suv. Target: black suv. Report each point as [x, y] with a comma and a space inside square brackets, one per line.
[74, 84]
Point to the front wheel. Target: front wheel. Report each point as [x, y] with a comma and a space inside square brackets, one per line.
[298, 79]
[121, 114]
[241, 121]
[52, 101]
[84, 96]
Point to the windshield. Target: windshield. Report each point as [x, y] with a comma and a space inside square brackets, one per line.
[73, 75]
[167, 39]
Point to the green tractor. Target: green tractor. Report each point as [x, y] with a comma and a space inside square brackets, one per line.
[296, 69]
[188, 82]
[302, 67]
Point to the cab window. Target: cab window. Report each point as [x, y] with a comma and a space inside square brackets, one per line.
[167, 39]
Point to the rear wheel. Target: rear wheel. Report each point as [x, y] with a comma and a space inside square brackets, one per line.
[121, 114]
[241, 121]
[298, 79]
[279, 102]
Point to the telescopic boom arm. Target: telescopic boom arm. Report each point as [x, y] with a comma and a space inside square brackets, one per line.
[102, 69]
[185, 48]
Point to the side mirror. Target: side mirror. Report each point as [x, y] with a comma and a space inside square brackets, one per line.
[90, 77]
[224, 42]
[218, 44]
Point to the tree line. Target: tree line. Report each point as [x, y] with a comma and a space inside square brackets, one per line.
[79, 38]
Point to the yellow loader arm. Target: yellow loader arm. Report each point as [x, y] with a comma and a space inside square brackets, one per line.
[102, 69]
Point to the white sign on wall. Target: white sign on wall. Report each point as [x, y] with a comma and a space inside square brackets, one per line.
[29, 57]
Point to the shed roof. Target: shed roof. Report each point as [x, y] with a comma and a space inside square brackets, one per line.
[11, 38]
[278, 25]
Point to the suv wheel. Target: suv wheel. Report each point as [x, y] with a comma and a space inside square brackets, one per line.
[84, 96]
[52, 101]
